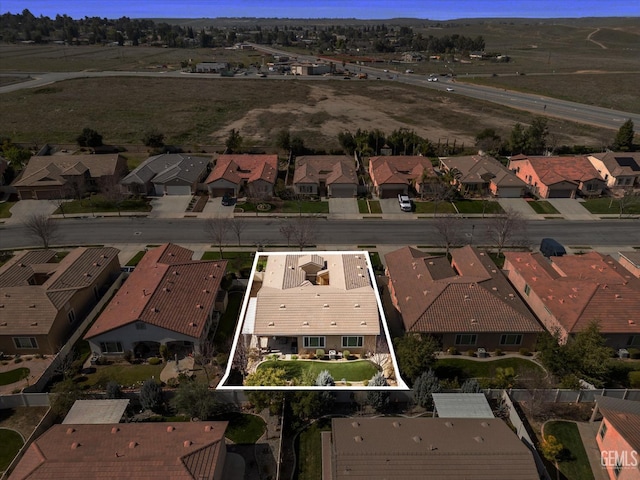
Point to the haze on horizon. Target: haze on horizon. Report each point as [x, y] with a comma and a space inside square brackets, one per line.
[360, 9]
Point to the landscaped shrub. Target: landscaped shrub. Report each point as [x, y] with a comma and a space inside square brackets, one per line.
[320, 353]
[294, 357]
[164, 352]
[471, 352]
[173, 382]
[151, 395]
[452, 351]
[497, 352]
[17, 360]
[346, 354]
[525, 352]
[128, 355]
[634, 379]
[222, 359]
[155, 361]
[634, 353]
[113, 390]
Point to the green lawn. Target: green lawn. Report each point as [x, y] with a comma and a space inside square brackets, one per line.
[378, 268]
[476, 206]
[13, 376]
[227, 325]
[464, 368]
[365, 205]
[575, 464]
[239, 262]
[136, 259]
[288, 206]
[429, 207]
[123, 374]
[543, 207]
[97, 203]
[243, 428]
[309, 450]
[11, 442]
[352, 371]
[610, 206]
[4, 209]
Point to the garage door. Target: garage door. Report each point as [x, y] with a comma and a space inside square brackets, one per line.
[391, 192]
[560, 193]
[178, 190]
[221, 192]
[343, 191]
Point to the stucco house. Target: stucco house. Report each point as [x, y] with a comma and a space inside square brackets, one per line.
[325, 176]
[480, 174]
[250, 175]
[168, 299]
[467, 304]
[558, 177]
[63, 176]
[394, 175]
[43, 300]
[568, 293]
[630, 261]
[621, 170]
[168, 174]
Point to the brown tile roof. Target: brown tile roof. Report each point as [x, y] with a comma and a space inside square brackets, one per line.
[333, 169]
[437, 448]
[49, 170]
[433, 298]
[624, 416]
[236, 168]
[482, 169]
[125, 451]
[580, 289]
[400, 169]
[620, 163]
[552, 170]
[167, 290]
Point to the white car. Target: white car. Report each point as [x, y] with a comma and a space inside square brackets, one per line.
[449, 89]
[405, 203]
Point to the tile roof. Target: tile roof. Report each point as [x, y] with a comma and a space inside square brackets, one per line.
[408, 448]
[624, 416]
[552, 170]
[620, 163]
[236, 168]
[49, 170]
[399, 169]
[333, 169]
[166, 167]
[434, 298]
[482, 169]
[167, 289]
[580, 289]
[137, 451]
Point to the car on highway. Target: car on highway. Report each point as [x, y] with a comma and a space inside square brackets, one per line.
[405, 203]
[449, 89]
[408, 71]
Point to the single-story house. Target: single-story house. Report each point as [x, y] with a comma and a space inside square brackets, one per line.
[251, 175]
[558, 177]
[467, 304]
[211, 67]
[168, 299]
[618, 437]
[180, 451]
[326, 175]
[310, 69]
[43, 300]
[419, 448]
[479, 174]
[168, 174]
[394, 175]
[62, 176]
[570, 292]
[618, 169]
[630, 261]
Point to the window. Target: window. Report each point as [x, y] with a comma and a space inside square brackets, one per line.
[466, 339]
[71, 316]
[352, 342]
[603, 429]
[111, 347]
[527, 290]
[25, 342]
[511, 339]
[634, 341]
[305, 188]
[313, 342]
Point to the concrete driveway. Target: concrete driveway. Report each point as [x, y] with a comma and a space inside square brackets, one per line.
[169, 206]
[214, 208]
[521, 206]
[24, 208]
[571, 209]
[390, 205]
[343, 206]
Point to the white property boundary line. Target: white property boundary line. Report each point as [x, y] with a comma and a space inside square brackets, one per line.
[401, 385]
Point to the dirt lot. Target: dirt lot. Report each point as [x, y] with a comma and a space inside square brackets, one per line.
[22, 419]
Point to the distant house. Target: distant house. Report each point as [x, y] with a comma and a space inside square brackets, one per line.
[393, 175]
[419, 448]
[618, 437]
[618, 169]
[310, 69]
[568, 293]
[180, 451]
[63, 176]
[325, 175]
[467, 304]
[479, 174]
[249, 175]
[211, 67]
[167, 174]
[168, 299]
[558, 177]
[42, 301]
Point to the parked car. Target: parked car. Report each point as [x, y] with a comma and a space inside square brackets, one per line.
[405, 203]
[551, 248]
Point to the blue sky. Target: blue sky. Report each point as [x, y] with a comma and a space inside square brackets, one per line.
[364, 9]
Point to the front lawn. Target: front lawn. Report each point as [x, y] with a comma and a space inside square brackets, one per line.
[575, 463]
[464, 368]
[243, 428]
[369, 206]
[309, 449]
[543, 207]
[13, 376]
[430, 207]
[11, 442]
[351, 371]
[124, 374]
[4, 209]
[611, 206]
[288, 206]
[476, 206]
[97, 203]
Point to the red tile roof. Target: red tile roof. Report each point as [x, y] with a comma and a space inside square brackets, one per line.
[433, 298]
[624, 416]
[166, 289]
[334, 169]
[249, 168]
[400, 169]
[580, 289]
[137, 451]
[552, 170]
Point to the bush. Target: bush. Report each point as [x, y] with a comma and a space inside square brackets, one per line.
[525, 352]
[498, 352]
[89, 138]
[151, 395]
[634, 379]
[452, 351]
[155, 361]
[294, 357]
[113, 390]
[320, 353]
[346, 354]
[222, 359]
[173, 382]
[634, 353]
[128, 356]
[164, 352]
[17, 360]
[471, 352]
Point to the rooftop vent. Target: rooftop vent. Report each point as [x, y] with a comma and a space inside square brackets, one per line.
[74, 445]
[192, 324]
[282, 305]
[115, 430]
[133, 444]
[70, 430]
[165, 289]
[170, 428]
[448, 424]
[632, 322]
[199, 306]
[33, 305]
[271, 324]
[396, 424]
[357, 305]
[326, 305]
[305, 324]
[417, 439]
[207, 428]
[358, 439]
[478, 439]
[363, 323]
[3, 324]
[187, 443]
[34, 324]
[355, 424]
[484, 424]
[333, 323]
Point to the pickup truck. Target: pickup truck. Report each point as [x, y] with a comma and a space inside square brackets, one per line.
[405, 203]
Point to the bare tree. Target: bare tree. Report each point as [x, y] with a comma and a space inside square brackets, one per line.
[626, 200]
[204, 357]
[237, 225]
[112, 191]
[217, 229]
[508, 228]
[449, 230]
[304, 231]
[42, 227]
[286, 230]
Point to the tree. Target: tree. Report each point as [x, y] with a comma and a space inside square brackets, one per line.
[112, 191]
[626, 200]
[237, 226]
[89, 138]
[415, 353]
[551, 449]
[195, 399]
[43, 228]
[286, 230]
[217, 229]
[448, 228]
[536, 136]
[63, 395]
[266, 399]
[153, 138]
[505, 377]
[300, 230]
[423, 388]
[589, 352]
[488, 141]
[283, 140]
[297, 145]
[113, 390]
[470, 385]
[347, 142]
[378, 399]
[623, 141]
[508, 228]
[234, 141]
[151, 395]
[325, 379]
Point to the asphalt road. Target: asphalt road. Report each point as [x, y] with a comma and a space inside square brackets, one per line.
[265, 231]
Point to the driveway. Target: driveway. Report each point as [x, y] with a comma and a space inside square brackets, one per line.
[24, 208]
[391, 205]
[214, 208]
[169, 206]
[521, 206]
[571, 209]
[343, 207]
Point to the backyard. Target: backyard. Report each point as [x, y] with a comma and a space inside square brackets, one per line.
[12, 376]
[573, 461]
[125, 374]
[243, 428]
[11, 442]
[463, 368]
[351, 371]
[309, 450]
